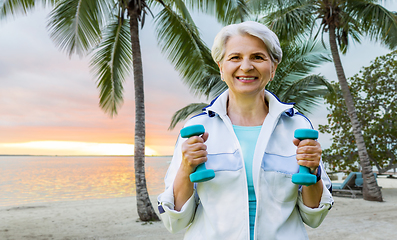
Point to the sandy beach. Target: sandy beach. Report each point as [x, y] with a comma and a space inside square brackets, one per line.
[117, 218]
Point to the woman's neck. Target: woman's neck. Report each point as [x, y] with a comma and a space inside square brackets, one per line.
[247, 110]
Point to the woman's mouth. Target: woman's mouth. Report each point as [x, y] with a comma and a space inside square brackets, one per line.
[247, 79]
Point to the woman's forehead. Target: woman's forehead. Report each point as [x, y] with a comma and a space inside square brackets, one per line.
[244, 43]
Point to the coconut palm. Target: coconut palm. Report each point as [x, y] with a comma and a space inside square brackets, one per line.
[292, 82]
[110, 30]
[343, 20]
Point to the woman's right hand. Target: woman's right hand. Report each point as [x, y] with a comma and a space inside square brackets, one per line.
[194, 152]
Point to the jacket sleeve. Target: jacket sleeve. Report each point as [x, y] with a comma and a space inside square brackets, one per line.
[174, 220]
[313, 217]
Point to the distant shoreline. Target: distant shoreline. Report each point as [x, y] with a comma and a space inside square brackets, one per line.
[27, 155]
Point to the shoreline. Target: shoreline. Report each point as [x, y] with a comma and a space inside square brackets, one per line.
[117, 219]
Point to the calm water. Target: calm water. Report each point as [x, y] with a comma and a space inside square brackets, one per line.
[43, 179]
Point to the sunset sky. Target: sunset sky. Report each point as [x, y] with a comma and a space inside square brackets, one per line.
[49, 102]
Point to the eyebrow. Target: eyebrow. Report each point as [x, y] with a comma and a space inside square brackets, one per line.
[235, 53]
[260, 53]
[256, 53]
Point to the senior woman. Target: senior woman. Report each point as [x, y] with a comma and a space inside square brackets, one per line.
[249, 144]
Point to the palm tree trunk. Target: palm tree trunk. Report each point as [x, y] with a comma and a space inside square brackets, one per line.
[144, 206]
[371, 190]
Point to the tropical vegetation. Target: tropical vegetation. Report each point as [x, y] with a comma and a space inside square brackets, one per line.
[342, 21]
[374, 91]
[109, 32]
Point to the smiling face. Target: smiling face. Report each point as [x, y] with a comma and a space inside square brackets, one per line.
[246, 66]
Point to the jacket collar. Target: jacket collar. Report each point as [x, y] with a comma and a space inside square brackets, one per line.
[276, 107]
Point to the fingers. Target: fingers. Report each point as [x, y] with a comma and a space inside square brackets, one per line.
[194, 152]
[308, 153]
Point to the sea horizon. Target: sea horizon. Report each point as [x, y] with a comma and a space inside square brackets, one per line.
[56, 155]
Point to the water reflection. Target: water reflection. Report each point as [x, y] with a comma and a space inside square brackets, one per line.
[43, 179]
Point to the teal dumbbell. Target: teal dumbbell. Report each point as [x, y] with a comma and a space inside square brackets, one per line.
[201, 174]
[304, 177]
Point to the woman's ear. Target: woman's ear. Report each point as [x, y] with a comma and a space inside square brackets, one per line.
[220, 70]
[274, 67]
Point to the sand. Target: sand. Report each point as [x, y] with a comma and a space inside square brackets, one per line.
[117, 219]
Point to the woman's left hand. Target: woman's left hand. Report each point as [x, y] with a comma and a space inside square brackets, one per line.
[308, 153]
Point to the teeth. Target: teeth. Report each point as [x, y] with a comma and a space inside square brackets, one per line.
[246, 78]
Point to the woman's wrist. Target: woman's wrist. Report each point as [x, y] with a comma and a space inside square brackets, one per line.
[317, 172]
[183, 189]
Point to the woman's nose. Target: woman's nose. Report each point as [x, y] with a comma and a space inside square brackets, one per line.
[246, 65]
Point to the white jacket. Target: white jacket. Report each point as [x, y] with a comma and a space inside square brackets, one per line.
[219, 208]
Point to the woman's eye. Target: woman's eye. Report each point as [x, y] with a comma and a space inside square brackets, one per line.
[258, 58]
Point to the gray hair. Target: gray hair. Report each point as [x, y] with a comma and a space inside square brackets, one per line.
[255, 29]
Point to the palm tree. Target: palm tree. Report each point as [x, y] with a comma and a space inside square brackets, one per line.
[110, 30]
[292, 82]
[343, 20]
[81, 26]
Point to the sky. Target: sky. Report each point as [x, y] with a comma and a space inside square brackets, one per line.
[49, 101]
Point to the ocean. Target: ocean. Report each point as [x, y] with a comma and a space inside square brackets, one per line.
[32, 179]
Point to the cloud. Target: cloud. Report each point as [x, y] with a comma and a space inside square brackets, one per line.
[45, 95]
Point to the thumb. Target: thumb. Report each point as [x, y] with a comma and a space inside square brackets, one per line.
[296, 141]
[205, 136]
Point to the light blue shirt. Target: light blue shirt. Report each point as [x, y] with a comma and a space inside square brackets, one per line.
[247, 137]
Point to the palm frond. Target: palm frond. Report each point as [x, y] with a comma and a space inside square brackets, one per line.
[226, 12]
[259, 6]
[75, 25]
[293, 82]
[307, 92]
[182, 45]
[299, 61]
[180, 7]
[156, 3]
[212, 85]
[111, 63]
[14, 7]
[378, 22]
[266, 6]
[348, 28]
[183, 113]
[291, 19]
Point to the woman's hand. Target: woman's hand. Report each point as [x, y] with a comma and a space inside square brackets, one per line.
[194, 152]
[308, 153]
